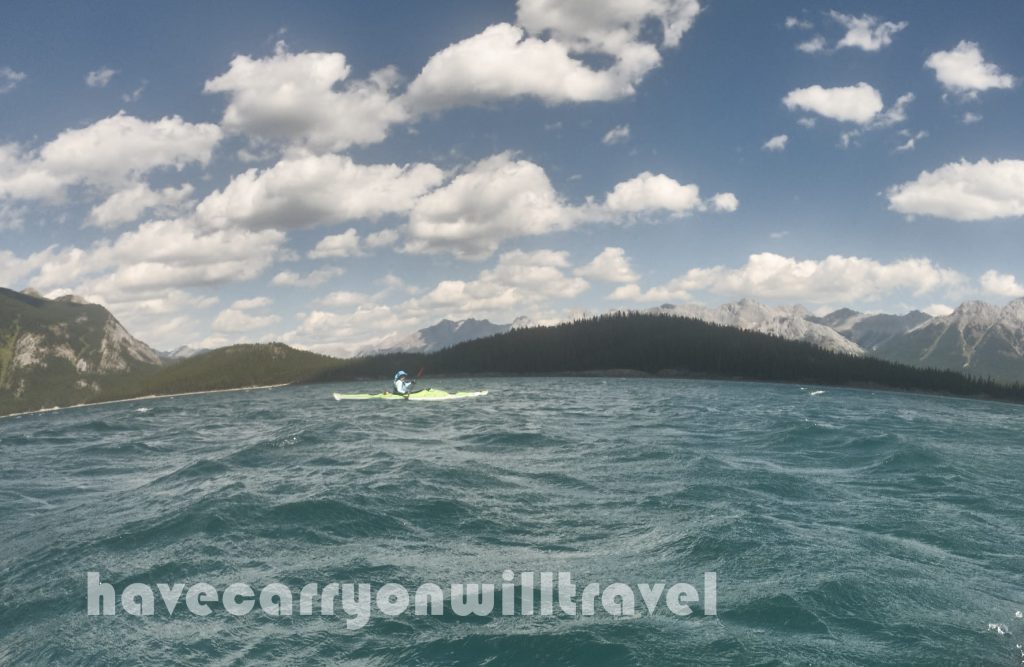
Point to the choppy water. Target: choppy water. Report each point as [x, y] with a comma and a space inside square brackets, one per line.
[844, 527]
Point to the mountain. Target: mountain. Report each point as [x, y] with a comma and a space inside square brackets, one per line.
[976, 338]
[870, 331]
[791, 323]
[63, 351]
[232, 367]
[183, 352]
[439, 336]
[665, 345]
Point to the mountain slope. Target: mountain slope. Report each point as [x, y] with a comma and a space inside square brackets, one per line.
[790, 323]
[63, 351]
[976, 338]
[870, 331]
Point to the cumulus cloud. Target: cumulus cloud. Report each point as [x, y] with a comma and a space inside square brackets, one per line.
[314, 278]
[802, 24]
[647, 193]
[345, 244]
[866, 32]
[99, 78]
[381, 239]
[857, 104]
[964, 191]
[813, 45]
[251, 304]
[307, 190]
[502, 197]
[129, 204]
[109, 154]
[519, 278]
[1001, 284]
[970, 118]
[616, 135]
[234, 320]
[536, 57]
[611, 266]
[963, 70]
[495, 199]
[305, 99]
[341, 299]
[9, 78]
[776, 143]
[831, 280]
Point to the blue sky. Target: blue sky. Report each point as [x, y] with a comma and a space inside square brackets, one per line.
[332, 174]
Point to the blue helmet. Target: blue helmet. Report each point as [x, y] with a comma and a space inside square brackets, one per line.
[400, 374]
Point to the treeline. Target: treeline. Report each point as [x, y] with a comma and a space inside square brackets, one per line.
[666, 345]
[233, 367]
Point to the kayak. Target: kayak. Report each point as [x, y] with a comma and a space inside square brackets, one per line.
[425, 395]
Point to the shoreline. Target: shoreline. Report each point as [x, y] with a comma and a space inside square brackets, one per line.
[142, 398]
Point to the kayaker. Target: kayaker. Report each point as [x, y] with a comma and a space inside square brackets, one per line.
[403, 383]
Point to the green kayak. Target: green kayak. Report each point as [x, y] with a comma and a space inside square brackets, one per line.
[425, 395]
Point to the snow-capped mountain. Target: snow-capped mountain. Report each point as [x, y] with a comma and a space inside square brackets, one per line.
[870, 331]
[977, 338]
[791, 322]
[441, 335]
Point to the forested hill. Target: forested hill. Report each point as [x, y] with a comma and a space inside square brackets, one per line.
[666, 345]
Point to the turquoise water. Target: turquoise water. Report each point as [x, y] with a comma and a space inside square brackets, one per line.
[847, 527]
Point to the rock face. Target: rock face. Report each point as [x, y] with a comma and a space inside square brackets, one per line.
[871, 331]
[791, 322]
[62, 351]
[976, 338]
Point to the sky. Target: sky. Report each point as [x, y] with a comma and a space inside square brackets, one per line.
[336, 174]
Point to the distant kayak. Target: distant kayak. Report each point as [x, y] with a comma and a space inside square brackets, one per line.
[425, 395]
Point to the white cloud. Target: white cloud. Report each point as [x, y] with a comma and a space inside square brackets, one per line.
[652, 192]
[724, 202]
[813, 45]
[611, 265]
[964, 71]
[342, 299]
[806, 122]
[1001, 284]
[495, 199]
[519, 279]
[312, 279]
[251, 304]
[337, 245]
[964, 191]
[793, 22]
[294, 99]
[536, 57]
[616, 135]
[9, 79]
[502, 62]
[858, 104]
[381, 239]
[606, 25]
[776, 143]
[99, 78]
[109, 154]
[306, 190]
[971, 117]
[937, 310]
[835, 279]
[233, 320]
[129, 204]
[866, 32]
[911, 142]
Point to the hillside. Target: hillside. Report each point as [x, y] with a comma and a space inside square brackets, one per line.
[236, 366]
[63, 351]
[672, 346]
